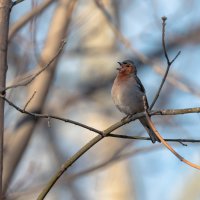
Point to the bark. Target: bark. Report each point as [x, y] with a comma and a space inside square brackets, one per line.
[5, 6]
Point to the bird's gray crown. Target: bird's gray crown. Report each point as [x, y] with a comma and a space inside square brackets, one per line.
[128, 62]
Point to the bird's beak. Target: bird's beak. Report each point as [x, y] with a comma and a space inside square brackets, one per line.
[120, 65]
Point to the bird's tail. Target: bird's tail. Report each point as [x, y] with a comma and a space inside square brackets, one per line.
[152, 135]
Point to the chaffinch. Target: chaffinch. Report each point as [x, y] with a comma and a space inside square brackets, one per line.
[127, 94]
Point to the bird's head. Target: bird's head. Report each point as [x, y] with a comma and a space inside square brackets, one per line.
[127, 67]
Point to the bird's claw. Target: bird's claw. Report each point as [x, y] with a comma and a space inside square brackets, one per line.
[126, 118]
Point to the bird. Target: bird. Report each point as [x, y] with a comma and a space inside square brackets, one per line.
[128, 92]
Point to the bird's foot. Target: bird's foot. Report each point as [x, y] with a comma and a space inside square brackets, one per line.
[125, 118]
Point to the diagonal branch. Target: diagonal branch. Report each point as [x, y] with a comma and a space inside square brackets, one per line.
[27, 80]
[67, 164]
[168, 146]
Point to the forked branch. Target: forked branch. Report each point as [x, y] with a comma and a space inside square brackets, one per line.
[169, 63]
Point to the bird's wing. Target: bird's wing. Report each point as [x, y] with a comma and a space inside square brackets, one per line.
[141, 87]
[139, 83]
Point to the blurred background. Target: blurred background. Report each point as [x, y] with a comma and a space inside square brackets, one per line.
[77, 86]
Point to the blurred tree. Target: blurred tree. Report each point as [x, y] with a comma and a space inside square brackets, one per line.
[76, 85]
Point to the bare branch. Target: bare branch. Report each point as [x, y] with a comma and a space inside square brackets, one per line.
[30, 78]
[114, 126]
[181, 141]
[29, 100]
[67, 164]
[169, 63]
[46, 116]
[163, 39]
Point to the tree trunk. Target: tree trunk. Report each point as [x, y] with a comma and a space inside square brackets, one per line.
[5, 6]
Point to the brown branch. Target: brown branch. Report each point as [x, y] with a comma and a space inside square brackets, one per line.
[169, 63]
[169, 147]
[163, 38]
[114, 126]
[48, 117]
[152, 126]
[32, 77]
[29, 100]
[67, 164]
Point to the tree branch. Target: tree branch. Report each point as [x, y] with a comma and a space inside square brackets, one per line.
[28, 79]
[112, 127]
[181, 141]
[169, 63]
[168, 146]
[67, 164]
[29, 100]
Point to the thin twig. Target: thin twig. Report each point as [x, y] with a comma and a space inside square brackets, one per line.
[47, 116]
[163, 38]
[169, 63]
[29, 100]
[32, 77]
[181, 141]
